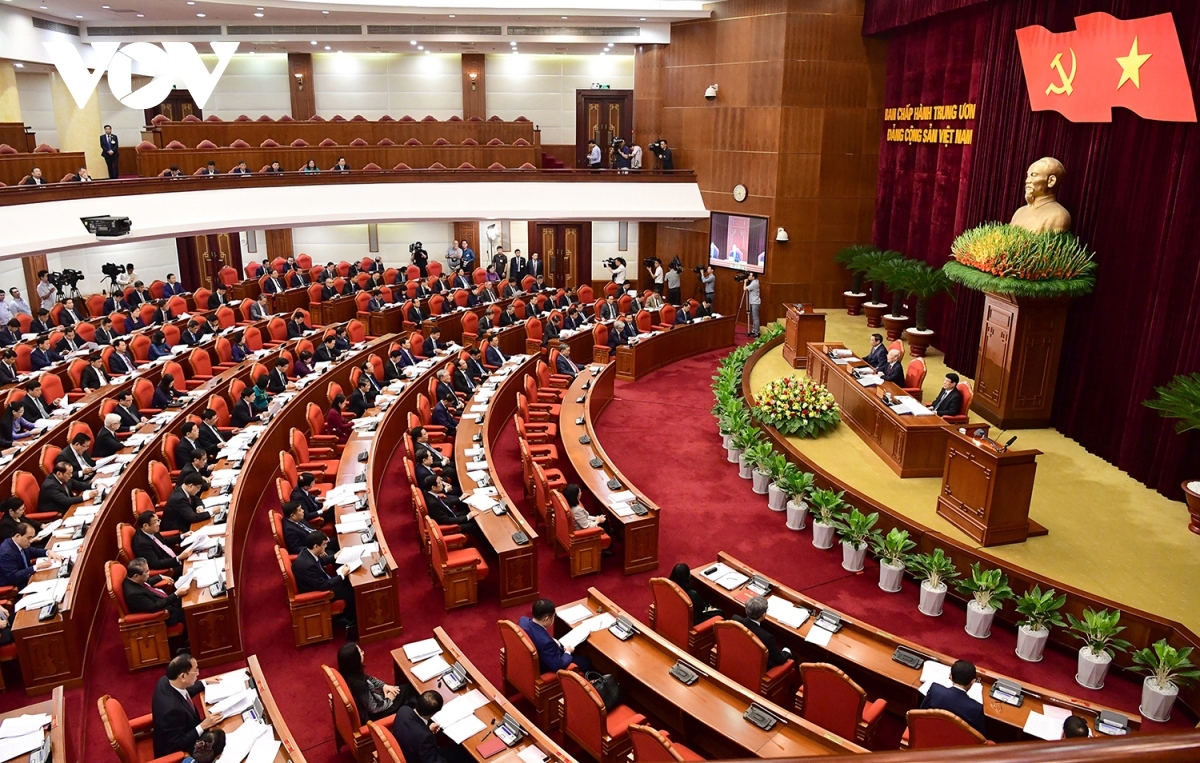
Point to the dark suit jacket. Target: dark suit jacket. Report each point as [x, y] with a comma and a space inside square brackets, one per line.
[894, 372]
[112, 305]
[102, 337]
[681, 316]
[322, 354]
[145, 547]
[40, 359]
[549, 331]
[106, 444]
[443, 418]
[55, 496]
[391, 369]
[296, 330]
[310, 575]
[90, 379]
[171, 289]
[463, 382]
[66, 319]
[506, 319]
[180, 513]
[494, 356]
[417, 742]
[36, 326]
[947, 403]
[277, 381]
[8, 338]
[956, 701]
[139, 600]
[175, 719]
[242, 414]
[551, 654]
[877, 357]
[209, 440]
[16, 566]
[609, 312]
[295, 535]
[65, 345]
[775, 656]
[273, 286]
[8, 374]
[183, 451]
[431, 346]
[563, 366]
[130, 417]
[358, 403]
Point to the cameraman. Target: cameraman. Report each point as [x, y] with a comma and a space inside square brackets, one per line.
[673, 283]
[46, 291]
[593, 155]
[709, 279]
[754, 299]
[617, 266]
[663, 152]
[420, 257]
[656, 272]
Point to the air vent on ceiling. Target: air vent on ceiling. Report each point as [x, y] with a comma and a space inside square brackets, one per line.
[55, 26]
[574, 31]
[124, 10]
[154, 31]
[425, 30]
[320, 30]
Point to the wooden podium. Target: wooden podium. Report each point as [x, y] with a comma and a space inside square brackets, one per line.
[803, 326]
[986, 492]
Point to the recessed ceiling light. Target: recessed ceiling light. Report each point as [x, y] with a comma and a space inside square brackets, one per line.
[140, 15]
[420, 47]
[641, 19]
[564, 18]
[78, 16]
[314, 42]
[19, 65]
[201, 15]
[258, 15]
[515, 51]
[427, 52]
[339, 52]
[513, 44]
[252, 52]
[451, 15]
[191, 2]
[328, 48]
[105, 7]
[325, 12]
[412, 42]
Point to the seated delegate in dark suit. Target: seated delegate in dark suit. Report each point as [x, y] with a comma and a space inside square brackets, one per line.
[682, 315]
[107, 442]
[413, 733]
[160, 553]
[120, 362]
[443, 418]
[309, 570]
[181, 513]
[617, 336]
[756, 609]
[494, 356]
[42, 356]
[177, 723]
[8, 369]
[878, 356]
[56, 494]
[273, 285]
[893, 371]
[114, 303]
[19, 557]
[361, 399]
[564, 365]
[141, 597]
[326, 352]
[434, 343]
[954, 699]
[296, 530]
[949, 400]
[444, 508]
[94, 375]
[243, 412]
[552, 655]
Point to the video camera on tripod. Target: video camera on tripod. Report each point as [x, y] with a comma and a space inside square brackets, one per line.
[66, 281]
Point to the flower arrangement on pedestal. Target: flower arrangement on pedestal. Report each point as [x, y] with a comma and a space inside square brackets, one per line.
[797, 405]
[1005, 259]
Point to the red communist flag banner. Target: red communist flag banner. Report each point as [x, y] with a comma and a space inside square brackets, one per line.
[1106, 62]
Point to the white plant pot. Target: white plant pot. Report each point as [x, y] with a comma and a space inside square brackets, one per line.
[1157, 702]
[1092, 668]
[745, 470]
[761, 481]
[1031, 643]
[853, 556]
[797, 515]
[890, 576]
[822, 535]
[726, 441]
[733, 454]
[776, 498]
[932, 599]
[979, 620]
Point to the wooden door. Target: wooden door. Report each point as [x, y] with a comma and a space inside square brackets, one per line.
[601, 115]
[566, 250]
[178, 105]
[202, 257]
[469, 232]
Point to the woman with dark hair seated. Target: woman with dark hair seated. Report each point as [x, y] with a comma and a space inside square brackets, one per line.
[261, 397]
[373, 698]
[165, 392]
[238, 349]
[158, 346]
[13, 425]
[681, 575]
[336, 422]
[303, 365]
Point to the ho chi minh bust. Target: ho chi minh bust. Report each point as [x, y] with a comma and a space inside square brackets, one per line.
[1042, 212]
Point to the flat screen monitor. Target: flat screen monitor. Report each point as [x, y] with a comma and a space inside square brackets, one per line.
[738, 242]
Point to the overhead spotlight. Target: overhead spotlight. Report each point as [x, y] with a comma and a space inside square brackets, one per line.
[451, 15]
[564, 18]
[140, 15]
[325, 12]
[105, 7]
[642, 19]
[328, 48]
[201, 15]
[314, 42]
[420, 47]
[258, 15]
[191, 2]
[427, 52]
[78, 16]
[339, 52]
[412, 42]
[19, 65]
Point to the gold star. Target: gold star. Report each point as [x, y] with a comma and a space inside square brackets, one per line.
[1130, 66]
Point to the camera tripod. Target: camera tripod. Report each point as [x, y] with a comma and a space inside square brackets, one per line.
[743, 303]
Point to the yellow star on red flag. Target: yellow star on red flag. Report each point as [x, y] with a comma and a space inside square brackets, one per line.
[1131, 66]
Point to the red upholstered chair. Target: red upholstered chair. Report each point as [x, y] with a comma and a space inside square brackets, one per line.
[830, 699]
[143, 502]
[312, 612]
[387, 749]
[160, 483]
[23, 351]
[742, 657]
[457, 571]
[226, 318]
[253, 338]
[143, 394]
[316, 429]
[182, 383]
[348, 728]
[914, 377]
[649, 746]
[253, 270]
[47, 459]
[585, 294]
[600, 343]
[317, 460]
[672, 616]
[645, 323]
[52, 388]
[964, 389]
[897, 345]
[305, 261]
[131, 739]
[624, 303]
[470, 328]
[244, 311]
[314, 293]
[277, 330]
[603, 734]
[74, 373]
[144, 634]
[228, 275]
[169, 443]
[95, 305]
[27, 487]
[201, 295]
[583, 547]
[667, 317]
[547, 379]
[434, 268]
[533, 336]
[610, 289]
[451, 536]
[287, 467]
[521, 670]
[935, 729]
[357, 332]
[545, 456]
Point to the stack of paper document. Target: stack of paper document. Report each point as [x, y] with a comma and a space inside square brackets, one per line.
[477, 466]
[426, 670]
[420, 650]
[724, 576]
[786, 612]
[480, 500]
[574, 614]
[906, 404]
[580, 632]
[240, 741]
[24, 724]
[1047, 724]
[462, 706]
[345, 494]
[870, 380]
[934, 672]
[229, 685]
[354, 522]
[213, 502]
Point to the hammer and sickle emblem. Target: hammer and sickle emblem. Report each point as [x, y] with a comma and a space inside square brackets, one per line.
[1066, 81]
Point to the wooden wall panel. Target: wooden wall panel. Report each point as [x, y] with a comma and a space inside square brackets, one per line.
[474, 91]
[304, 101]
[648, 75]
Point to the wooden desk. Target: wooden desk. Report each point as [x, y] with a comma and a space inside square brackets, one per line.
[338, 310]
[58, 738]
[913, 446]
[707, 714]
[800, 329]
[390, 320]
[682, 341]
[289, 300]
[491, 713]
[865, 653]
[376, 599]
[288, 750]
[640, 533]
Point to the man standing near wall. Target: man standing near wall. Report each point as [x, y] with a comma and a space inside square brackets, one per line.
[754, 300]
[112, 156]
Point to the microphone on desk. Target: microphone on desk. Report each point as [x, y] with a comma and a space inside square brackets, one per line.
[1011, 440]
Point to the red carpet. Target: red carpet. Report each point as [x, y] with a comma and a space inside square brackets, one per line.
[663, 438]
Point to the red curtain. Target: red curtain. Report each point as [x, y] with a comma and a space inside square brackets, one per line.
[1133, 188]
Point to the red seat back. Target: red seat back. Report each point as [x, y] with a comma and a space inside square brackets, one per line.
[651, 747]
[218, 404]
[176, 371]
[740, 655]
[201, 361]
[519, 308]
[226, 317]
[120, 732]
[584, 717]
[201, 296]
[933, 729]
[831, 699]
[52, 387]
[314, 293]
[115, 574]
[667, 315]
[645, 324]
[965, 390]
[470, 323]
[160, 481]
[520, 662]
[533, 329]
[143, 392]
[49, 455]
[277, 328]
[914, 375]
[345, 710]
[26, 487]
[386, 746]
[228, 275]
[600, 335]
[672, 611]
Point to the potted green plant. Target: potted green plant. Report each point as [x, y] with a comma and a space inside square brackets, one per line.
[924, 283]
[743, 437]
[798, 487]
[780, 468]
[892, 551]
[730, 411]
[894, 275]
[933, 570]
[1040, 611]
[758, 457]
[827, 508]
[1168, 668]
[988, 589]
[849, 257]
[870, 262]
[855, 530]
[1180, 400]
[1098, 632]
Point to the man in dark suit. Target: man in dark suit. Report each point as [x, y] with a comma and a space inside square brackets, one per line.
[954, 699]
[415, 731]
[487, 294]
[462, 381]
[190, 336]
[11, 333]
[297, 279]
[243, 412]
[551, 329]
[362, 398]
[56, 494]
[422, 444]
[949, 400]
[8, 367]
[705, 310]
[305, 494]
[893, 370]
[617, 336]
[416, 313]
[518, 268]
[69, 316]
[683, 315]
[494, 357]
[274, 284]
[116, 301]
[210, 437]
[19, 558]
[218, 297]
[510, 290]
[376, 303]
[43, 356]
[326, 352]
[177, 723]
[552, 655]
[181, 512]
[36, 405]
[42, 324]
[189, 440]
[76, 454]
[475, 367]
[69, 343]
[877, 356]
[140, 295]
[141, 596]
[172, 286]
[565, 365]
[94, 376]
[392, 369]
[296, 530]
[110, 150]
[296, 327]
[104, 334]
[756, 609]
[309, 571]
[197, 464]
[443, 416]
[328, 291]
[609, 310]
[445, 389]
[127, 409]
[159, 552]
[433, 343]
[277, 381]
[442, 501]
[107, 443]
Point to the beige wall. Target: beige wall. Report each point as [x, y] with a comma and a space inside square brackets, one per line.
[10, 99]
[78, 129]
